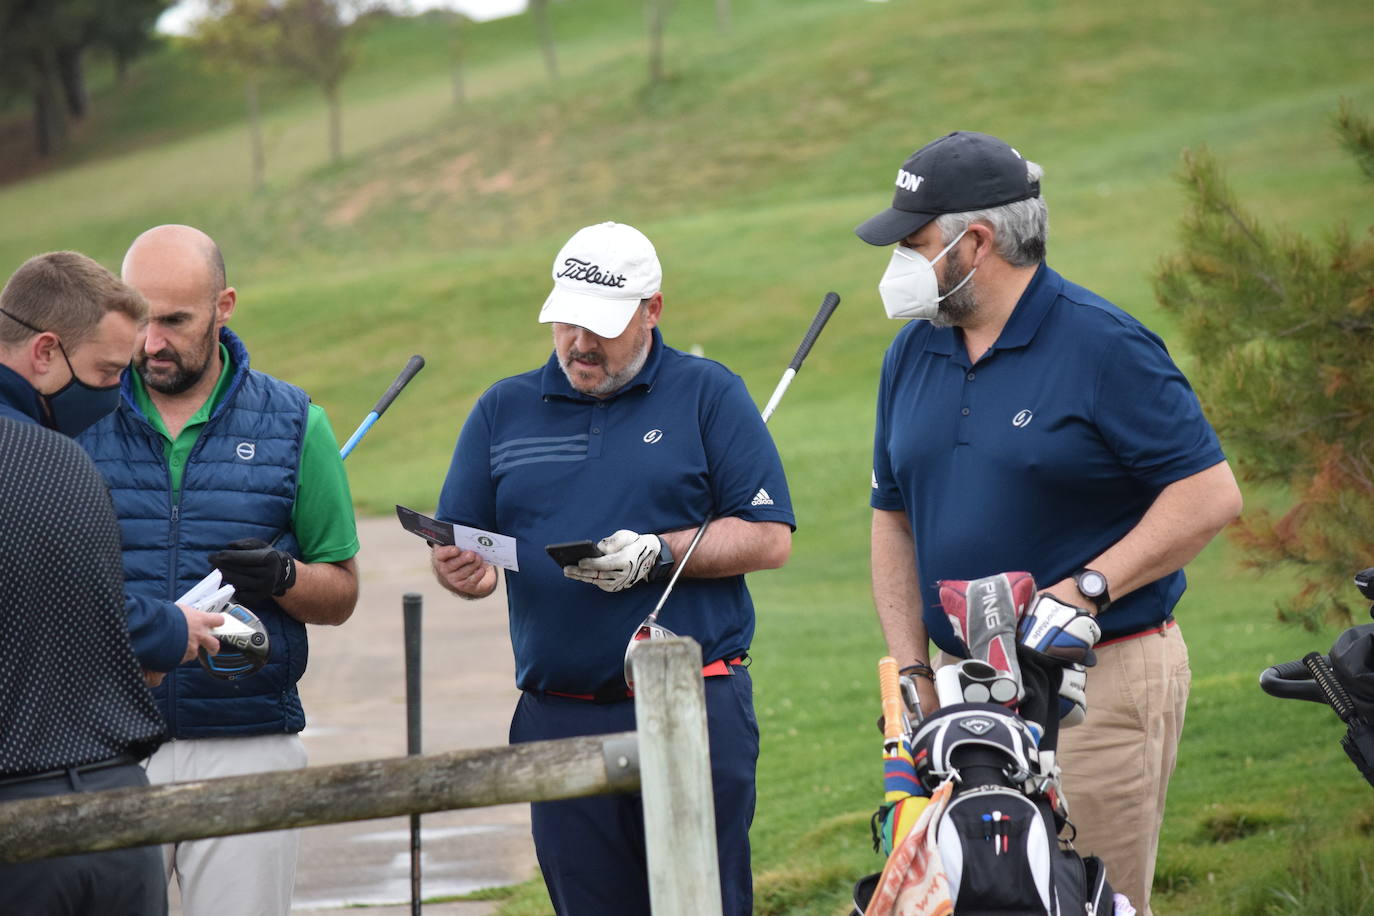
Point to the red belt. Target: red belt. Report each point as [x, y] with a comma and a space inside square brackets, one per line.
[1150, 632]
[718, 668]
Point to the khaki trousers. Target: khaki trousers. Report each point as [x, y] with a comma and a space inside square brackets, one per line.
[249, 874]
[1117, 764]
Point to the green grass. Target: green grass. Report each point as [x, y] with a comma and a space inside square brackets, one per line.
[749, 167]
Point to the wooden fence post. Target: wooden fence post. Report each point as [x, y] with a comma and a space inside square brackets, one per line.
[675, 778]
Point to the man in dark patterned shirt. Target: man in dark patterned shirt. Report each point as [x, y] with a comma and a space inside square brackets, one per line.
[75, 715]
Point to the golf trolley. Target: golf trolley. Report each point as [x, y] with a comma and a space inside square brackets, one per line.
[1342, 679]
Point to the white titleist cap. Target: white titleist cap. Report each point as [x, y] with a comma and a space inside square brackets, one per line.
[600, 277]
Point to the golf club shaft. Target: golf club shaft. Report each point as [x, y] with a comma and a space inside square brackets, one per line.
[413, 365]
[828, 305]
[677, 570]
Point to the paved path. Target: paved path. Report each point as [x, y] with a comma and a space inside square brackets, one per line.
[354, 697]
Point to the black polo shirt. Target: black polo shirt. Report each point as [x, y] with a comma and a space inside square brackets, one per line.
[71, 691]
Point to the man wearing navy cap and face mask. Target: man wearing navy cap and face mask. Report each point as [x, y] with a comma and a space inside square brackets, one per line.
[621, 440]
[1025, 423]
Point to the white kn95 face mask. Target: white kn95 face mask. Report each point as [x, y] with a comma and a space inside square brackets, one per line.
[909, 288]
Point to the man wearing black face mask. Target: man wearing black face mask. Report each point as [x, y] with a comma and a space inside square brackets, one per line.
[75, 715]
[1028, 424]
[214, 464]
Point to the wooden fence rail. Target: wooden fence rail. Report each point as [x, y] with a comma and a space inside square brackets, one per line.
[115, 819]
[671, 740]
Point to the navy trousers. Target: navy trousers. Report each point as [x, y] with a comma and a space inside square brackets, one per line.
[124, 882]
[591, 850]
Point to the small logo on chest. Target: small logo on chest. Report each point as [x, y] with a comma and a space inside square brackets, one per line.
[246, 450]
[653, 436]
[1022, 418]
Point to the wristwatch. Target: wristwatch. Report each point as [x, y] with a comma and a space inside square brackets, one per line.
[1093, 585]
[663, 567]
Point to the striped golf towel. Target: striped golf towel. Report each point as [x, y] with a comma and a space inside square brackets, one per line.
[913, 881]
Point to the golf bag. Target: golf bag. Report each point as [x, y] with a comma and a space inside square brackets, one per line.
[1343, 679]
[997, 837]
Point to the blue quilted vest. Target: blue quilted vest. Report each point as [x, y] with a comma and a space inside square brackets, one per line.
[240, 481]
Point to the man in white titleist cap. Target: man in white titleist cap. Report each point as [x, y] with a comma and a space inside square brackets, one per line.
[621, 440]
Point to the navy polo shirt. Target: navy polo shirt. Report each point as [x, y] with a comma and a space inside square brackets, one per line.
[541, 462]
[1040, 456]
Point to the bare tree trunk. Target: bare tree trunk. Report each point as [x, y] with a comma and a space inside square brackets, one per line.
[73, 79]
[656, 16]
[723, 16]
[259, 158]
[331, 94]
[540, 9]
[49, 110]
[456, 72]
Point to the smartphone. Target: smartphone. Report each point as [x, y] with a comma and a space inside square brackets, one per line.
[431, 530]
[568, 554]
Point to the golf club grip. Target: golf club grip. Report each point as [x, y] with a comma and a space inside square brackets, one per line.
[1335, 694]
[828, 306]
[1290, 681]
[413, 365]
[890, 688]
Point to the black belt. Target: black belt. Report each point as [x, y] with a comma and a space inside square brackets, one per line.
[116, 761]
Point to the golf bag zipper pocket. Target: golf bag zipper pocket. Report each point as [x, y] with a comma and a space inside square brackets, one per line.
[996, 847]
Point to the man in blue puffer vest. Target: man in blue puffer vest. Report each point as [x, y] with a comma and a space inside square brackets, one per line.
[213, 464]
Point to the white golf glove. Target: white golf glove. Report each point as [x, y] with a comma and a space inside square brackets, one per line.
[1060, 630]
[1073, 698]
[627, 559]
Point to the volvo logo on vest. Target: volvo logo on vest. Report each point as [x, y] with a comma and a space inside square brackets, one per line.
[907, 181]
[246, 450]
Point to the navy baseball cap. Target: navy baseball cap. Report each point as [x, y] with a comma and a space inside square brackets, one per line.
[957, 173]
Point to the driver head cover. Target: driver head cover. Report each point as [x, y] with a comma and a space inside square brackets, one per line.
[600, 277]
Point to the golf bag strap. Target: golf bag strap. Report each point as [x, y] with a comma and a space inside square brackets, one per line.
[615, 693]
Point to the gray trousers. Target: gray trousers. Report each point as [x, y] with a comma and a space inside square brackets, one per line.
[124, 882]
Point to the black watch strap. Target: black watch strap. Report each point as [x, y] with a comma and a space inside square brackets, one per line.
[1093, 586]
[663, 567]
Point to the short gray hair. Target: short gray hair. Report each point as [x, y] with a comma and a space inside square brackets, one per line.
[1020, 227]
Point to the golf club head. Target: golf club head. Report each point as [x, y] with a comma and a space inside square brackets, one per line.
[646, 630]
[911, 701]
[243, 642]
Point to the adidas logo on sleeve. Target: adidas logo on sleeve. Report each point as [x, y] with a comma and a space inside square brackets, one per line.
[761, 498]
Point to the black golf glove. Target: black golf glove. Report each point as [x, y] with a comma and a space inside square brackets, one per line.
[255, 569]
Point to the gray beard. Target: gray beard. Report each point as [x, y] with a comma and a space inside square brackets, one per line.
[958, 307]
[615, 381]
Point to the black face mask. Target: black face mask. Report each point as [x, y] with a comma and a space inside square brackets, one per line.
[76, 405]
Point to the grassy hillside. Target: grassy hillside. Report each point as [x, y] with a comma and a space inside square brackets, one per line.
[749, 168]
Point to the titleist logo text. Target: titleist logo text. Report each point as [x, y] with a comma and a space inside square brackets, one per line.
[587, 272]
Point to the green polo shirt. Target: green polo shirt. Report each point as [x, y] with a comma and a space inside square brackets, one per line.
[322, 517]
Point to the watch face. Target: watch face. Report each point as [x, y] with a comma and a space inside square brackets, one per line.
[1092, 583]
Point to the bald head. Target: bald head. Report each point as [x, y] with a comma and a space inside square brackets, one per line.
[170, 251]
[179, 270]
